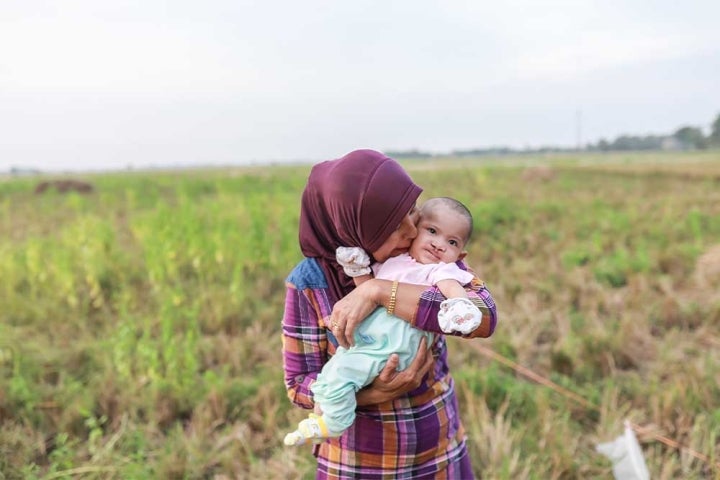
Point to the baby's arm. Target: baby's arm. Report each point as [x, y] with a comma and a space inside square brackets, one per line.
[451, 288]
[457, 313]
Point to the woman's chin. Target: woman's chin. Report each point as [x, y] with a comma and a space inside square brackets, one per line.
[398, 251]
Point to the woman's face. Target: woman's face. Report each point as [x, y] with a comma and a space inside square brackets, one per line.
[399, 241]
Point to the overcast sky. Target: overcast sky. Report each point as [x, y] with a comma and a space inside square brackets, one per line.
[107, 84]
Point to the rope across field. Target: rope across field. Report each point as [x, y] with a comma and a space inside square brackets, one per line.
[644, 431]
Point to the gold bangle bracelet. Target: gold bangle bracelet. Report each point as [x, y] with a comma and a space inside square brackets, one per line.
[393, 297]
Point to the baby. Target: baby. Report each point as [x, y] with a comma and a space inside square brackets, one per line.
[444, 230]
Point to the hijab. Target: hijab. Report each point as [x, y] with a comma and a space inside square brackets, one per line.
[357, 200]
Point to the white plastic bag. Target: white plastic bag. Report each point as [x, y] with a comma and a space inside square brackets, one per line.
[626, 455]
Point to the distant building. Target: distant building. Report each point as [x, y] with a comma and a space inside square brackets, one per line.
[671, 143]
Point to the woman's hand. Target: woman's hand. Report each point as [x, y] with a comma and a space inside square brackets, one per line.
[391, 384]
[351, 310]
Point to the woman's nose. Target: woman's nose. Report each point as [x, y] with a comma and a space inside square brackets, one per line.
[411, 232]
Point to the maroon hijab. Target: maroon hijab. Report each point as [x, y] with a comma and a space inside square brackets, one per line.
[357, 200]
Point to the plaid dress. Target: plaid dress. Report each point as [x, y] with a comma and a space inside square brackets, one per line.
[418, 435]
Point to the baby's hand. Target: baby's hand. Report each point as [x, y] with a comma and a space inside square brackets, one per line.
[459, 315]
[355, 261]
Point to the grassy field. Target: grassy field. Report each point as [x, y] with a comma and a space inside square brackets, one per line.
[140, 324]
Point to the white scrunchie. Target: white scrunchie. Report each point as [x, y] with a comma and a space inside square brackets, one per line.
[354, 260]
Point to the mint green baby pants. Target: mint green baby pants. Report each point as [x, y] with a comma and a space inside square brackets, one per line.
[376, 338]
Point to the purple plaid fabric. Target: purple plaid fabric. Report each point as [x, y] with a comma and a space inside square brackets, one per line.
[415, 436]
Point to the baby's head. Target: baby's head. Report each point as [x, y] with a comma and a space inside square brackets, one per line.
[444, 230]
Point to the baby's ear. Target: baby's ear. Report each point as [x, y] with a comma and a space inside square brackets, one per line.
[462, 255]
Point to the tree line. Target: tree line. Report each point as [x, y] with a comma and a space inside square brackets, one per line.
[684, 138]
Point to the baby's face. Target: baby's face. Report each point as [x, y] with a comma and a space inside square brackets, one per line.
[441, 236]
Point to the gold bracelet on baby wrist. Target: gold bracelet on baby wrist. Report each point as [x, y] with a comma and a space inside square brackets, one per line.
[393, 298]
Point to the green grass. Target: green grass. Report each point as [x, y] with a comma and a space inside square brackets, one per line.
[140, 325]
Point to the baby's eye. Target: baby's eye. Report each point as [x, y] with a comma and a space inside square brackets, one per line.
[431, 230]
[454, 243]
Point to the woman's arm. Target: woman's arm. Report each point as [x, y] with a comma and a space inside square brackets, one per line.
[305, 352]
[304, 346]
[417, 304]
[351, 310]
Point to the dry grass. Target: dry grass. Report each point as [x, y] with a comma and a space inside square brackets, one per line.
[139, 335]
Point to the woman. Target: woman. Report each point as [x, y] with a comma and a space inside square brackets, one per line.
[407, 422]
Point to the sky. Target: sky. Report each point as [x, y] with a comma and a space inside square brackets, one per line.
[88, 84]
